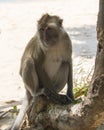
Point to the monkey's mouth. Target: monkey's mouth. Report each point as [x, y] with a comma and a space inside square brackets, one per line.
[50, 35]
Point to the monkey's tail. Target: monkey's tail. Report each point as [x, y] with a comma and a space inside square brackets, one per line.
[19, 120]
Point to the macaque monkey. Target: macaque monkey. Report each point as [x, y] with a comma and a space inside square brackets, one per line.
[46, 65]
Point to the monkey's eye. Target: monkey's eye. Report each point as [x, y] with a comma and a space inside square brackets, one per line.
[41, 29]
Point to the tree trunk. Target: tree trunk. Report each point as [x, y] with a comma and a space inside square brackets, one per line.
[87, 115]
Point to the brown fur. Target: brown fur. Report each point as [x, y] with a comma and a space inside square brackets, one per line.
[46, 64]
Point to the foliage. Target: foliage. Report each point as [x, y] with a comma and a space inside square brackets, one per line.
[81, 82]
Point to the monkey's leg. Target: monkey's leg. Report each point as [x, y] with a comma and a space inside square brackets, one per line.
[49, 93]
[22, 112]
[29, 76]
[47, 85]
[30, 80]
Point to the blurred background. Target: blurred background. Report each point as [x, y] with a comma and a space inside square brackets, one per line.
[18, 23]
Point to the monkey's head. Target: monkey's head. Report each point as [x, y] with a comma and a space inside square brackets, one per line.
[49, 29]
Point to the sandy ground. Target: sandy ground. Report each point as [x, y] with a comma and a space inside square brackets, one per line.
[18, 24]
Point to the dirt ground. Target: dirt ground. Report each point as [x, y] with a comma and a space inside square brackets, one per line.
[18, 24]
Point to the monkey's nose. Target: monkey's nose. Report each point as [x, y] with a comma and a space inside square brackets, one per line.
[51, 34]
[50, 29]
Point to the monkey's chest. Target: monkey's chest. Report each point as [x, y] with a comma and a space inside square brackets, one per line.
[51, 67]
[55, 68]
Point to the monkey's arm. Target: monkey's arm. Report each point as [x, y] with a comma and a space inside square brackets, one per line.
[70, 82]
[67, 40]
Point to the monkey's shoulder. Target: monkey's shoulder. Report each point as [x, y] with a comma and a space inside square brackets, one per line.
[31, 50]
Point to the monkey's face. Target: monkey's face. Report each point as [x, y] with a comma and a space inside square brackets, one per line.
[49, 29]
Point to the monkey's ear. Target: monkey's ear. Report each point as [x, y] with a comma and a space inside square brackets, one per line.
[43, 18]
[60, 22]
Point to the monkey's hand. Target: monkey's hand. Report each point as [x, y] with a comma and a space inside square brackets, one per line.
[57, 98]
[65, 100]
